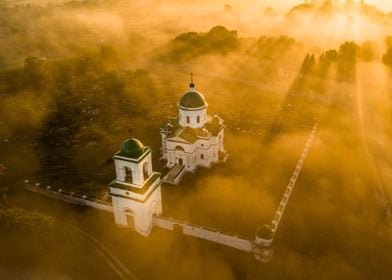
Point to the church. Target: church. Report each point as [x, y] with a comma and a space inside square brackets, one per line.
[193, 138]
[190, 140]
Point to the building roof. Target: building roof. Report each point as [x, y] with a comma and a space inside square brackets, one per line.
[132, 148]
[191, 135]
[192, 99]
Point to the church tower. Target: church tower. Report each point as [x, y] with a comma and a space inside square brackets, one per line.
[192, 109]
[136, 191]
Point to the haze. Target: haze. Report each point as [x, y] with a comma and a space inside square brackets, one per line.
[75, 76]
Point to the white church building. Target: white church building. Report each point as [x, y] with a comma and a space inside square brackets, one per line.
[190, 140]
[136, 191]
[193, 138]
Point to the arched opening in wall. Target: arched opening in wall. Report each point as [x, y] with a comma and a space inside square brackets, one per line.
[146, 171]
[130, 219]
[188, 119]
[128, 175]
[179, 148]
[202, 156]
[180, 160]
[198, 119]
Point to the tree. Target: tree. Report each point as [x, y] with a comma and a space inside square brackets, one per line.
[367, 51]
[347, 58]
[34, 69]
[387, 57]
[308, 64]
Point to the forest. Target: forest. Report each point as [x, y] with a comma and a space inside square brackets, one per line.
[75, 76]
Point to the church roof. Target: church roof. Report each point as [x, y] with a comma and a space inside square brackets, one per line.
[132, 148]
[192, 99]
[190, 135]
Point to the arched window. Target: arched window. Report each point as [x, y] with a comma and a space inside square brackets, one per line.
[130, 218]
[202, 156]
[128, 175]
[179, 148]
[198, 119]
[188, 120]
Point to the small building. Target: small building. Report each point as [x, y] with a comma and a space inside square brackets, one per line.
[136, 191]
[193, 138]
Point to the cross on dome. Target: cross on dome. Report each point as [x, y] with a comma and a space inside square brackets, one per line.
[130, 133]
[192, 85]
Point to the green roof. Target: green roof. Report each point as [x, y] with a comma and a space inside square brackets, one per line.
[192, 99]
[190, 135]
[132, 148]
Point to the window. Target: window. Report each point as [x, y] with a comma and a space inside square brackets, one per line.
[128, 175]
[188, 119]
[127, 193]
[202, 156]
[198, 119]
[179, 148]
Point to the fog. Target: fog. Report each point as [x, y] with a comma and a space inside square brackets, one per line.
[75, 76]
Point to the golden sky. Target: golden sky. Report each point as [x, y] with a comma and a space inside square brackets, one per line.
[385, 5]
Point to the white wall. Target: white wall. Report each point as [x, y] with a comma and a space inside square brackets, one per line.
[208, 147]
[136, 167]
[67, 197]
[142, 211]
[192, 114]
[232, 240]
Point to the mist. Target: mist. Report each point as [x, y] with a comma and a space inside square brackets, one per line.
[76, 75]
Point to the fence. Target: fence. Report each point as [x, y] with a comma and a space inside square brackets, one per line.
[233, 240]
[69, 197]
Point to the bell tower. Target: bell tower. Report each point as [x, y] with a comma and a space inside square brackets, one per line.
[136, 191]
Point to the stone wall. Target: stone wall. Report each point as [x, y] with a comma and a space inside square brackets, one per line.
[59, 194]
[233, 240]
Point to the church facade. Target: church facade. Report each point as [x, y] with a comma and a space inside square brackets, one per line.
[136, 191]
[193, 138]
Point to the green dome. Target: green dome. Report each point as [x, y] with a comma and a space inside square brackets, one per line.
[193, 99]
[132, 148]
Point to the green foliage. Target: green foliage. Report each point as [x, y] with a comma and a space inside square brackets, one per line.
[367, 51]
[32, 225]
[301, 8]
[388, 41]
[347, 59]
[327, 8]
[348, 51]
[12, 80]
[325, 61]
[308, 64]
[387, 57]
[219, 40]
